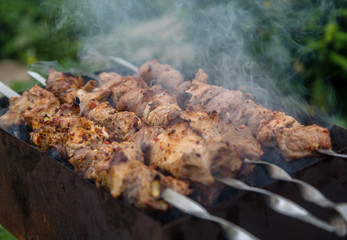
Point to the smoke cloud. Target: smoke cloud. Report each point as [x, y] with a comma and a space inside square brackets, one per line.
[238, 43]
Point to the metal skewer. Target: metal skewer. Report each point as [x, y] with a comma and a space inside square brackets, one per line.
[191, 207]
[308, 192]
[135, 69]
[37, 77]
[180, 201]
[331, 153]
[280, 204]
[286, 207]
[6, 91]
[124, 63]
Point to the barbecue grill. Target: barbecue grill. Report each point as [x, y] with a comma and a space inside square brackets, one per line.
[43, 198]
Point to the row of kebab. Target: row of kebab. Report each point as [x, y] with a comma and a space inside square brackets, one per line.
[136, 135]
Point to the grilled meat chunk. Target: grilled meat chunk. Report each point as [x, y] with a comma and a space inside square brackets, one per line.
[120, 125]
[240, 138]
[183, 152]
[32, 105]
[155, 105]
[139, 184]
[302, 141]
[267, 126]
[66, 133]
[64, 86]
[116, 166]
[153, 72]
[239, 108]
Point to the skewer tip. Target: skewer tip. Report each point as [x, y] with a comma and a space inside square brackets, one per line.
[37, 77]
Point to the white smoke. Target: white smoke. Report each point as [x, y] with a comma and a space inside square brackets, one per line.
[238, 43]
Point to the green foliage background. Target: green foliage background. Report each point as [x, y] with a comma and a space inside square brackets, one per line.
[30, 32]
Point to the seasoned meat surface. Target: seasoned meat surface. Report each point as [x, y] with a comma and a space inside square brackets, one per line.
[155, 105]
[64, 86]
[185, 153]
[120, 125]
[116, 166]
[269, 127]
[182, 152]
[301, 141]
[32, 105]
[139, 184]
[212, 128]
[154, 72]
[67, 133]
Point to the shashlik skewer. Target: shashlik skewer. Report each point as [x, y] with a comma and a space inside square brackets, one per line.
[278, 173]
[75, 138]
[132, 94]
[137, 184]
[120, 125]
[269, 127]
[116, 166]
[200, 157]
[90, 101]
[300, 211]
[75, 143]
[202, 77]
[155, 105]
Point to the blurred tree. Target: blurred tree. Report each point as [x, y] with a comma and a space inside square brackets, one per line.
[28, 33]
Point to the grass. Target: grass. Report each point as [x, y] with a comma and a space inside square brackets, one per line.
[5, 235]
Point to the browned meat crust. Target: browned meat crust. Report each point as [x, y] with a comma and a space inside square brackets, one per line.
[63, 86]
[210, 126]
[120, 125]
[116, 166]
[271, 128]
[153, 72]
[33, 104]
[67, 133]
[155, 105]
[185, 153]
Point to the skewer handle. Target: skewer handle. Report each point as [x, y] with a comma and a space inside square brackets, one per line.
[308, 192]
[280, 204]
[191, 207]
[331, 153]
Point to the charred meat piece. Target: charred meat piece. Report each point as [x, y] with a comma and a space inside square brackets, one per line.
[32, 105]
[67, 133]
[239, 108]
[154, 72]
[240, 138]
[138, 184]
[64, 86]
[271, 128]
[116, 166]
[120, 125]
[302, 141]
[155, 105]
[183, 152]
